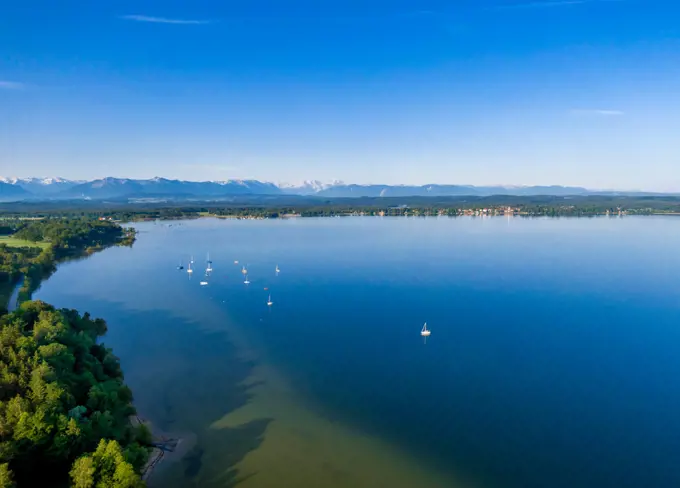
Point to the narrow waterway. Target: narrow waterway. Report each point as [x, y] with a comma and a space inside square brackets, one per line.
[14, 297]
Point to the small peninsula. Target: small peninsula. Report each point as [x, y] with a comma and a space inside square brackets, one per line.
[30, 249]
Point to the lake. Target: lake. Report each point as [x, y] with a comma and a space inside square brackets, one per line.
[553, 359]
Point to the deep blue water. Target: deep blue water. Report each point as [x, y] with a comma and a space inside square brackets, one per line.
[553, 360]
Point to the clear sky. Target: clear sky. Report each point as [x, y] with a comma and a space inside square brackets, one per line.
[573, 92]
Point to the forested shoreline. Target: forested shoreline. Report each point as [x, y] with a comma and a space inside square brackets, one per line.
[36, 246]
[259, 206]
[64, 409]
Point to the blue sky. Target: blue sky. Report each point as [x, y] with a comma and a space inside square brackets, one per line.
[575, 92]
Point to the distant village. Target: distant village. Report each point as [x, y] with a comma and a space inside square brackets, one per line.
[404, 210]
[259, 213]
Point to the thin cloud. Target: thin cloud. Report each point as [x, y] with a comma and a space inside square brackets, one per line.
[603, 113]
[11, 85]
[164, 20]
[558, 3]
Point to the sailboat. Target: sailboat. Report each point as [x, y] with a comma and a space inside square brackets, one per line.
[277, 269]
[180, 265]
[425, 332]
[190, 270]
[204, 283]
[246, 281]
[192, 260]
[269, 302]
[244, 271]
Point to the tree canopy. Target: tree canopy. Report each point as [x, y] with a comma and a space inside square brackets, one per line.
[107, 467]
[63, 404]
[65, 238]
[72, 234]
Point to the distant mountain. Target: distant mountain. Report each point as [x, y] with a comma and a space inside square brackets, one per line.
[308, 187]
[113, 188]
[105, 188]
[163, 188]
[42, 187]
[340, 191]
[554, 190]
[10, 192]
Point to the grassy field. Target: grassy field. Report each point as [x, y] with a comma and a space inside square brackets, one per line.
[13, 242]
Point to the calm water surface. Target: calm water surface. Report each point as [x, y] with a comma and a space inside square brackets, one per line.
[553, 360]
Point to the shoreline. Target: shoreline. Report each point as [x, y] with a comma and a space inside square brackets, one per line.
[278, 436]
[13, 302]
[28, 283]
[408, 216]
[167, 447]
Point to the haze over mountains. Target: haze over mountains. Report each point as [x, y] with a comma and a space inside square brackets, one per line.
[15, 189]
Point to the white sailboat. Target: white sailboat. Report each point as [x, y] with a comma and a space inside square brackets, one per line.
[209, 268]
[247, 282]
[425, 332]
[244, 271]
[277, 269]
[269, 302]
[192, 260]
[190, 270]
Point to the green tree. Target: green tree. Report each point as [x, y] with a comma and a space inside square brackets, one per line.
[107, 467]
[6, 477]
[61, 393]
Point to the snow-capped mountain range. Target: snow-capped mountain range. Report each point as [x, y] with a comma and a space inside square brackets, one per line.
[117, 188]
[308, 187]
[15, 189]
[42, 186]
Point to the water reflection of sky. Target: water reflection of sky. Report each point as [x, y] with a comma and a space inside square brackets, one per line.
[550, 363]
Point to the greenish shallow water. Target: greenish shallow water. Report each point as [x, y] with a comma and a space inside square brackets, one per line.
[552, 360]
